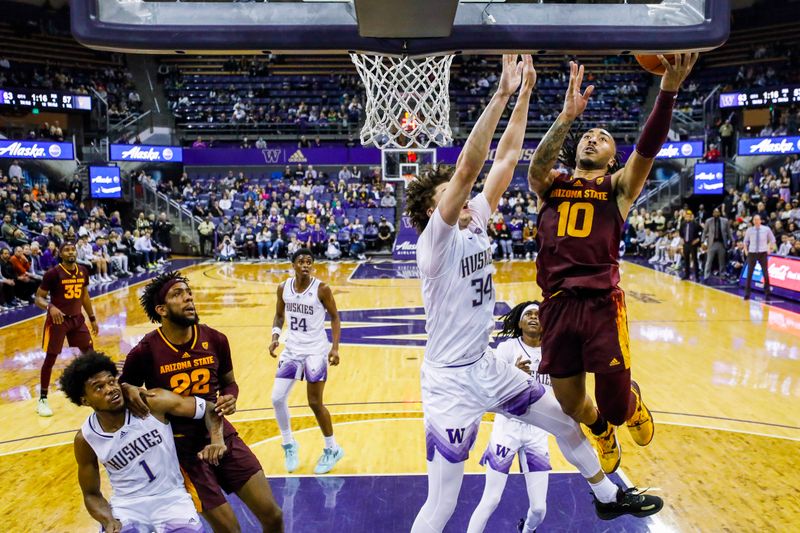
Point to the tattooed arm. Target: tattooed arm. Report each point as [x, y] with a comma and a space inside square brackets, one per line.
[540, 173]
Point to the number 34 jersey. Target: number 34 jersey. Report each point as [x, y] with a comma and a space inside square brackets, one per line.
[580, 227]
[194, 368]
[305, 318]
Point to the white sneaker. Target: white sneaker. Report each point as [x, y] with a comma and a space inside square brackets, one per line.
[43, 408]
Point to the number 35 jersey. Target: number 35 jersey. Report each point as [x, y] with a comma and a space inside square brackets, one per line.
[191, 369]
[580, 227]
[305, 318]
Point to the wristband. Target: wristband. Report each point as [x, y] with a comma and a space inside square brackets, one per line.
[92, 318]
[199, 408]
[276, 331]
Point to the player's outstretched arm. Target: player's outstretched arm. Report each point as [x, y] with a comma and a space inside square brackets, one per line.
[89, 481]
[163, 402]
[86, 302]
[277, 322]
[326, 297]
[629, 181]
[510, 145]
[540, 172]
[473, 155]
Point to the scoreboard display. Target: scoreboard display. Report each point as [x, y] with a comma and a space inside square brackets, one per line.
[761, 97]
[43, 99]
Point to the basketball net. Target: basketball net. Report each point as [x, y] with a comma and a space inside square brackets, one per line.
[408, 104]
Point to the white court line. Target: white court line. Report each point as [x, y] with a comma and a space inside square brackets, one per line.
[314, 428]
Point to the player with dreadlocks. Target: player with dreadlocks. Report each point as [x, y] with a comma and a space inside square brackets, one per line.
[581, 216]
[521, 346]
[190, 358]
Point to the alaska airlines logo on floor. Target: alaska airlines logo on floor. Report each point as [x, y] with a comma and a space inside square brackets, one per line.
[398, 326]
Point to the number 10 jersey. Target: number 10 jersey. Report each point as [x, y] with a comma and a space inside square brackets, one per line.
[580, 227]
[305, 318]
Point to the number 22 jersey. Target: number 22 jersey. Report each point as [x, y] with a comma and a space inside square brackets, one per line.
[191, 369]
[580, 227]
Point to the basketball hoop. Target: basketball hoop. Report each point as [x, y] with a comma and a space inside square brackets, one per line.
[408, 104]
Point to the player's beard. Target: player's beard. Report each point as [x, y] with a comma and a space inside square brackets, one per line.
[182, 321]
[587, 164]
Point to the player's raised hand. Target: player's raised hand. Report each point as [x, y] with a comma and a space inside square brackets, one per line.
[55, 314]
[212, 453]
[226, 405]
[511, 75]
[136, 399]
[528, 74]
[676, 73]
[272, 347]
[333, 357]
[574, 101]
[524, 365]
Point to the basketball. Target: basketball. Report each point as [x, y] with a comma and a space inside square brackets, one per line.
[652, 64]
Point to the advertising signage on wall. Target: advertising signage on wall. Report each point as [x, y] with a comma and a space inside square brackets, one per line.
[143, 153]
[105, 182]
[709, 178]
[769, 146]
[784, 276]
[10, 149]
[340, 155]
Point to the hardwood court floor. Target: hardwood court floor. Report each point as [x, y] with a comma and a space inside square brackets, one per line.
[721, 375]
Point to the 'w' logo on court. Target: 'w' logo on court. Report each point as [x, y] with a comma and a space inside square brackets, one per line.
[502, 451]
[456, 435]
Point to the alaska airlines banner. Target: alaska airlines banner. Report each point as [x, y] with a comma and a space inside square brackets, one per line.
[10, 149]
[359, 155]
[709, 178]
[145, 153]
[405, 245]
[769, 146]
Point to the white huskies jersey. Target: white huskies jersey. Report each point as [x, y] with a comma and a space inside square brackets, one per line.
[139, 457]
[512, 349]
[305, 316]
[457, 289]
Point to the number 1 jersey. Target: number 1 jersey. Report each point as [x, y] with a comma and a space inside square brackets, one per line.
[580, 227]
[191, 369]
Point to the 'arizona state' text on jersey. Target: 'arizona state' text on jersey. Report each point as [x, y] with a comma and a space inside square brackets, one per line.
[579, 233]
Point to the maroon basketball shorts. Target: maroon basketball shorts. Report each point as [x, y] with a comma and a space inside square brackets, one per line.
[73, 329]
[207, 484]
[584, 331]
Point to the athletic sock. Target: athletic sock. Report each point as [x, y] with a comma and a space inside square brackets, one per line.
[605, 490]
[287, 437]
[43, 395]
[330, 442]
[599, 426]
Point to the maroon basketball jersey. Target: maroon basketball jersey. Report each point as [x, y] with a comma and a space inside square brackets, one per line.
[66, 287]
[579, 233]
[192, 369]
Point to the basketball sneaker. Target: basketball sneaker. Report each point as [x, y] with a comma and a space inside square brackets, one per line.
[629, 501]
[43, 408]
[608, 449]
[641, 424]
[290, 456]
[328, 460]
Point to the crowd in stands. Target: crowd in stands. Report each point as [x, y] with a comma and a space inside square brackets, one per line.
[336, 215]
[36, 222]
[250, 96]
[680, 240]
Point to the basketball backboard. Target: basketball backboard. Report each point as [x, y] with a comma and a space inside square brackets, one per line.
[409, 27]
